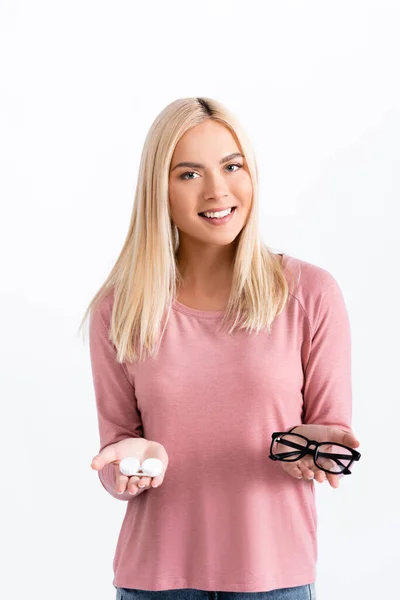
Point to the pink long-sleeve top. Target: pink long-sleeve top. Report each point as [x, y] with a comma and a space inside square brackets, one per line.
[226, 518]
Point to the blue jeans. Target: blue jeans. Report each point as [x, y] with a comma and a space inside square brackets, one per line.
[301, 592]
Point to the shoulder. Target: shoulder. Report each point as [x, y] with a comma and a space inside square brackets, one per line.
[102, 310]
[309, 278]
[314, 287]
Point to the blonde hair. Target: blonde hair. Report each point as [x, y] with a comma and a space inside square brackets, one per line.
[145, 276]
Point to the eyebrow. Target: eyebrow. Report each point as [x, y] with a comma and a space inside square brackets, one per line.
[200, 166]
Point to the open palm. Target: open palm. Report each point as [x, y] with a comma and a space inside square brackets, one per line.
[139, 448]
[305, 468]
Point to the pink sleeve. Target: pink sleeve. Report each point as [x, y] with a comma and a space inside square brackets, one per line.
[327, 390]
[117, 413]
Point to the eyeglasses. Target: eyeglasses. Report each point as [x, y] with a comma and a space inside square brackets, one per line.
[328, 456]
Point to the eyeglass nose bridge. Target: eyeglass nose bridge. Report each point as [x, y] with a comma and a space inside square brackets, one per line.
[313, 443]
[316, 445]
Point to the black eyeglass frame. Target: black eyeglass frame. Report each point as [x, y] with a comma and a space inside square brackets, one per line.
[314, 452]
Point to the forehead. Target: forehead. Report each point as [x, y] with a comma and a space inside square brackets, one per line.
[205, 142]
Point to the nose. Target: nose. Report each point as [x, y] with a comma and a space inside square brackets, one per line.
[216, 187]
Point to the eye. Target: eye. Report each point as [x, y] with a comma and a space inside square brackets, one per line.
[183, 176]
[234, 165]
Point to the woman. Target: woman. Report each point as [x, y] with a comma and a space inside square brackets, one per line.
[204, 342]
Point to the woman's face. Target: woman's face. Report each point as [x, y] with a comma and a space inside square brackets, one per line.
[209, 184]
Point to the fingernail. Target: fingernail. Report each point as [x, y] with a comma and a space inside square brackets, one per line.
[132, 493]
[154, 484]
[120, 492]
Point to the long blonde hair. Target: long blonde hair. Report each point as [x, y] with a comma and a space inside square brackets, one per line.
[145, 276]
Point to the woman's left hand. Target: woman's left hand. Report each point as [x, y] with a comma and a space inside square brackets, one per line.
[305, 468]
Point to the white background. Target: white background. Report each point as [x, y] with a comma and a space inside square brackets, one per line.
[316, 86]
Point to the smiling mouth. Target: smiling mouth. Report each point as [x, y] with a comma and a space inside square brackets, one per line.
[202, 214]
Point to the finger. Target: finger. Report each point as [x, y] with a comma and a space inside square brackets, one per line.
[132, 485]
[120, 480]
[333, 480]
[320, 476]
[106, 456]
[307, 466]
[157, 481]
[341, 436]
[351, 440]
[327, 463]
[292, 470]
[144, 482]
[308, 461]
[306, 472]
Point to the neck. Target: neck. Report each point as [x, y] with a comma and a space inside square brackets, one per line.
[207, 269]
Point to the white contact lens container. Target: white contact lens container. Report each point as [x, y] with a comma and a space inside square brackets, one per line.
[151, 467]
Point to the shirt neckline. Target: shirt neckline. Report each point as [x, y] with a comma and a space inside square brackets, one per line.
[210, 314]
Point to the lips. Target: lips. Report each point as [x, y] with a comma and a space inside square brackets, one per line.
[219, 222]
[215, 210]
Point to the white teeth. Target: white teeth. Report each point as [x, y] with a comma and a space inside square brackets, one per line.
[218, 215]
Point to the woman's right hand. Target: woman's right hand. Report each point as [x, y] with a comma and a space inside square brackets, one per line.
[141, 449]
